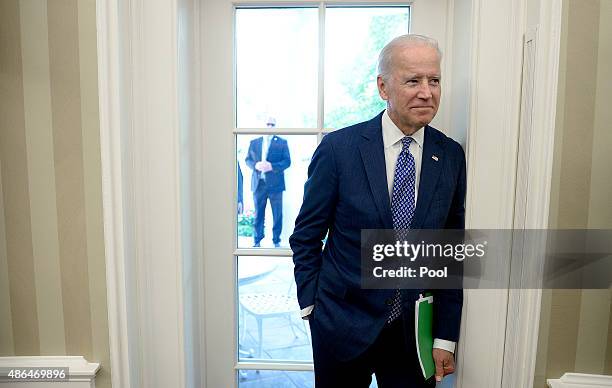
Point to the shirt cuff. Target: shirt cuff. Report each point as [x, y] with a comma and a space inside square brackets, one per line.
[443, 344]
[305, 312]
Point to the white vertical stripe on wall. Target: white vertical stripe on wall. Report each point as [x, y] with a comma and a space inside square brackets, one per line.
[600, 211]
[41, 175]
[7, 346]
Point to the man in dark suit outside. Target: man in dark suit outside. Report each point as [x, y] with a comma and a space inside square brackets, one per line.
[268, 157]
[391, 172]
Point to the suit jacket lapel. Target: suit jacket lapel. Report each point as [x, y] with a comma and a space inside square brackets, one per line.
[430, 172]
[373, 158]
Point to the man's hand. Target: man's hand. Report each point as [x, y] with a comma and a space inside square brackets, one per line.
[267, 166]
[263, 166]
[445, 363]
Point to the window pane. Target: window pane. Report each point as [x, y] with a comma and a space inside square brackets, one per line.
[353, 39]
[269, 323]
[277, 62]
[275, 379]
[280, 191]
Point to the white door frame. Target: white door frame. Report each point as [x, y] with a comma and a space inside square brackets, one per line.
[148, 75]
[524, 305]
[496, 33]
[510, 323]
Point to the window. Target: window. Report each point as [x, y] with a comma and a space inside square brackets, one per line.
[301, 72]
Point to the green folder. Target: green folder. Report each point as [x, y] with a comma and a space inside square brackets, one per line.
[423, 328]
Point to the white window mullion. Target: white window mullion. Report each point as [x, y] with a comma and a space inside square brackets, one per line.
[277, 131]
[321, 73]
[293, 366]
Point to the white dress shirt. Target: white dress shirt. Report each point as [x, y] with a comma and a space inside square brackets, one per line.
[265, 146]
[392, 143]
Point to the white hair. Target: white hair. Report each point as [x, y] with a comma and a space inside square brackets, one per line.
[385, 56]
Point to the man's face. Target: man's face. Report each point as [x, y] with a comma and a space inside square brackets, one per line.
[412, 87]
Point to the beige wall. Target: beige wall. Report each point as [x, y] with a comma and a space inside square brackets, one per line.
[576, 326]
[52, 273]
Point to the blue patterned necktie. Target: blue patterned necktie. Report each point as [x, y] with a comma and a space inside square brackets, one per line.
[402, 204]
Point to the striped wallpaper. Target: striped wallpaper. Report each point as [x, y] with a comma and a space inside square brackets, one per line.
[52, 272]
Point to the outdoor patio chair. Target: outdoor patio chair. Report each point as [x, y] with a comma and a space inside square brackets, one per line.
[265, 305]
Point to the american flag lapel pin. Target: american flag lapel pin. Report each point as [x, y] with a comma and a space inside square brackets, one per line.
[434, 157]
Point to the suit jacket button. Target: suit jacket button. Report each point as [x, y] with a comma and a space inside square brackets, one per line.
[389, 302]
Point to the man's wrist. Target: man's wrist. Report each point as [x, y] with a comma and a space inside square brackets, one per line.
[449, 346]
[306, 311]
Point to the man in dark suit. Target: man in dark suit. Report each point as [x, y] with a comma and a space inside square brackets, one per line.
[268, 157]
[391, 172]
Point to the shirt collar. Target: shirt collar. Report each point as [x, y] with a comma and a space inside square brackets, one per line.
[392, 134]
[267, 139]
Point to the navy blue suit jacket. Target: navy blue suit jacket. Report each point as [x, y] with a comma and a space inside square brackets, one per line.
[346, 191]
[279, 158]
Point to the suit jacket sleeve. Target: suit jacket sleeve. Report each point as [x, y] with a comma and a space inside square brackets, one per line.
[250, 155]
[448, 303]
[313, 221]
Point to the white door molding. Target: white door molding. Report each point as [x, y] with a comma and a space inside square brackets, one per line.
[109, 97]
[497, 29]
[507, 331]
[524, 305]
[139, 129]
